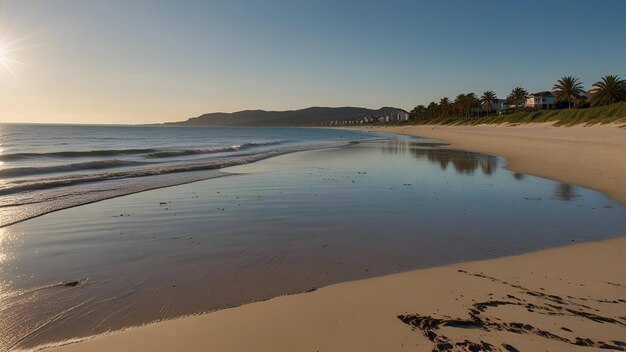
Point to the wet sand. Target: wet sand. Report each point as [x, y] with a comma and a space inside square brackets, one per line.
[593, 157]
[538, 301]
[568, 298]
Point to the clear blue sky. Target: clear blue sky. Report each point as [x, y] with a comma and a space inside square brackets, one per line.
[149, 61]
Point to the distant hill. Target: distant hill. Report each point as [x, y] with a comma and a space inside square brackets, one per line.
[314, 116]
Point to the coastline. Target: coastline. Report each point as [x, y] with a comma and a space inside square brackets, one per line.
[363, 314]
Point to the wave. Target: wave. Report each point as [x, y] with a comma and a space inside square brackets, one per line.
[149, 152]
[183, 152]
[90, 165]
[25, 198]
[232, 148]
[111, 163]
[155, 169]
[75, 154]
[75, 179]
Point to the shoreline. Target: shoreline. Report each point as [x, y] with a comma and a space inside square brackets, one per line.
[362, 314]
[387, 312]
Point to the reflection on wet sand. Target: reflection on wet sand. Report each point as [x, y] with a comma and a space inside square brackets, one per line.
[566, 192]
[518, 176]
[464, 162]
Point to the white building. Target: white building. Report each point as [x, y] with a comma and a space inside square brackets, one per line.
[497, 106]
[541, 100]
[398, 116]
[403, 116]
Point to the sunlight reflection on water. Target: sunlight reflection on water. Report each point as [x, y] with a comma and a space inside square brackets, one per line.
[3, 234]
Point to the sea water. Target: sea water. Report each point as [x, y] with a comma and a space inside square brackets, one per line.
[49, 167]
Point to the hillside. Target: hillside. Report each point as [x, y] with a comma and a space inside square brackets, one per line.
[313, 116]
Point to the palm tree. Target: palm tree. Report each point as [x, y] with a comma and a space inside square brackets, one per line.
[458, 105]
[472, 102]
[463, 104]
[445, 106]
[609, 90]
[517, 96]
[568, 89]
[432, 110]
[488, 98]
[419, 112]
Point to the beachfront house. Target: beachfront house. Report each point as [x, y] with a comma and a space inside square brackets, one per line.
[497, 106]
[541, 100]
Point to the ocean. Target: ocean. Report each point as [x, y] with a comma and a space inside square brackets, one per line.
[49, 167]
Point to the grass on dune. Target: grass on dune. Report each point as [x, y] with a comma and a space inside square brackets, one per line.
[615, 113]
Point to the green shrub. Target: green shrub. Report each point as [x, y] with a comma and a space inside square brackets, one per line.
[565, 117]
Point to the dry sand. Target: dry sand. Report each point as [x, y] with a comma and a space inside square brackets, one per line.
[552, 300]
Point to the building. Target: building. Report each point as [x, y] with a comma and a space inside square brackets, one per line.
[497, 106]
[541, 100]
[403, 116]
[397, 116]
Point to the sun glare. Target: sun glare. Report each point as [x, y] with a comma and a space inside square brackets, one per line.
[4, 58]
[2, 54]
[8, 51]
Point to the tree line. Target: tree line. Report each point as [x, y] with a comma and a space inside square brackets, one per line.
[568, 91]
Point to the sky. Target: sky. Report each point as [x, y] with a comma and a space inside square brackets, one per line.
[118, 61]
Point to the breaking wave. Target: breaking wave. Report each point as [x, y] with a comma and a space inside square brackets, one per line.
[90, 165]
[232, 148]
[149, 153]
[75, 154]
[154, 169]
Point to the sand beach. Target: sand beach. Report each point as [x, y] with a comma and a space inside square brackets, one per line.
[561, 299]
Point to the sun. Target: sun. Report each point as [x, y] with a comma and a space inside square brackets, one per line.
[10, 50]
